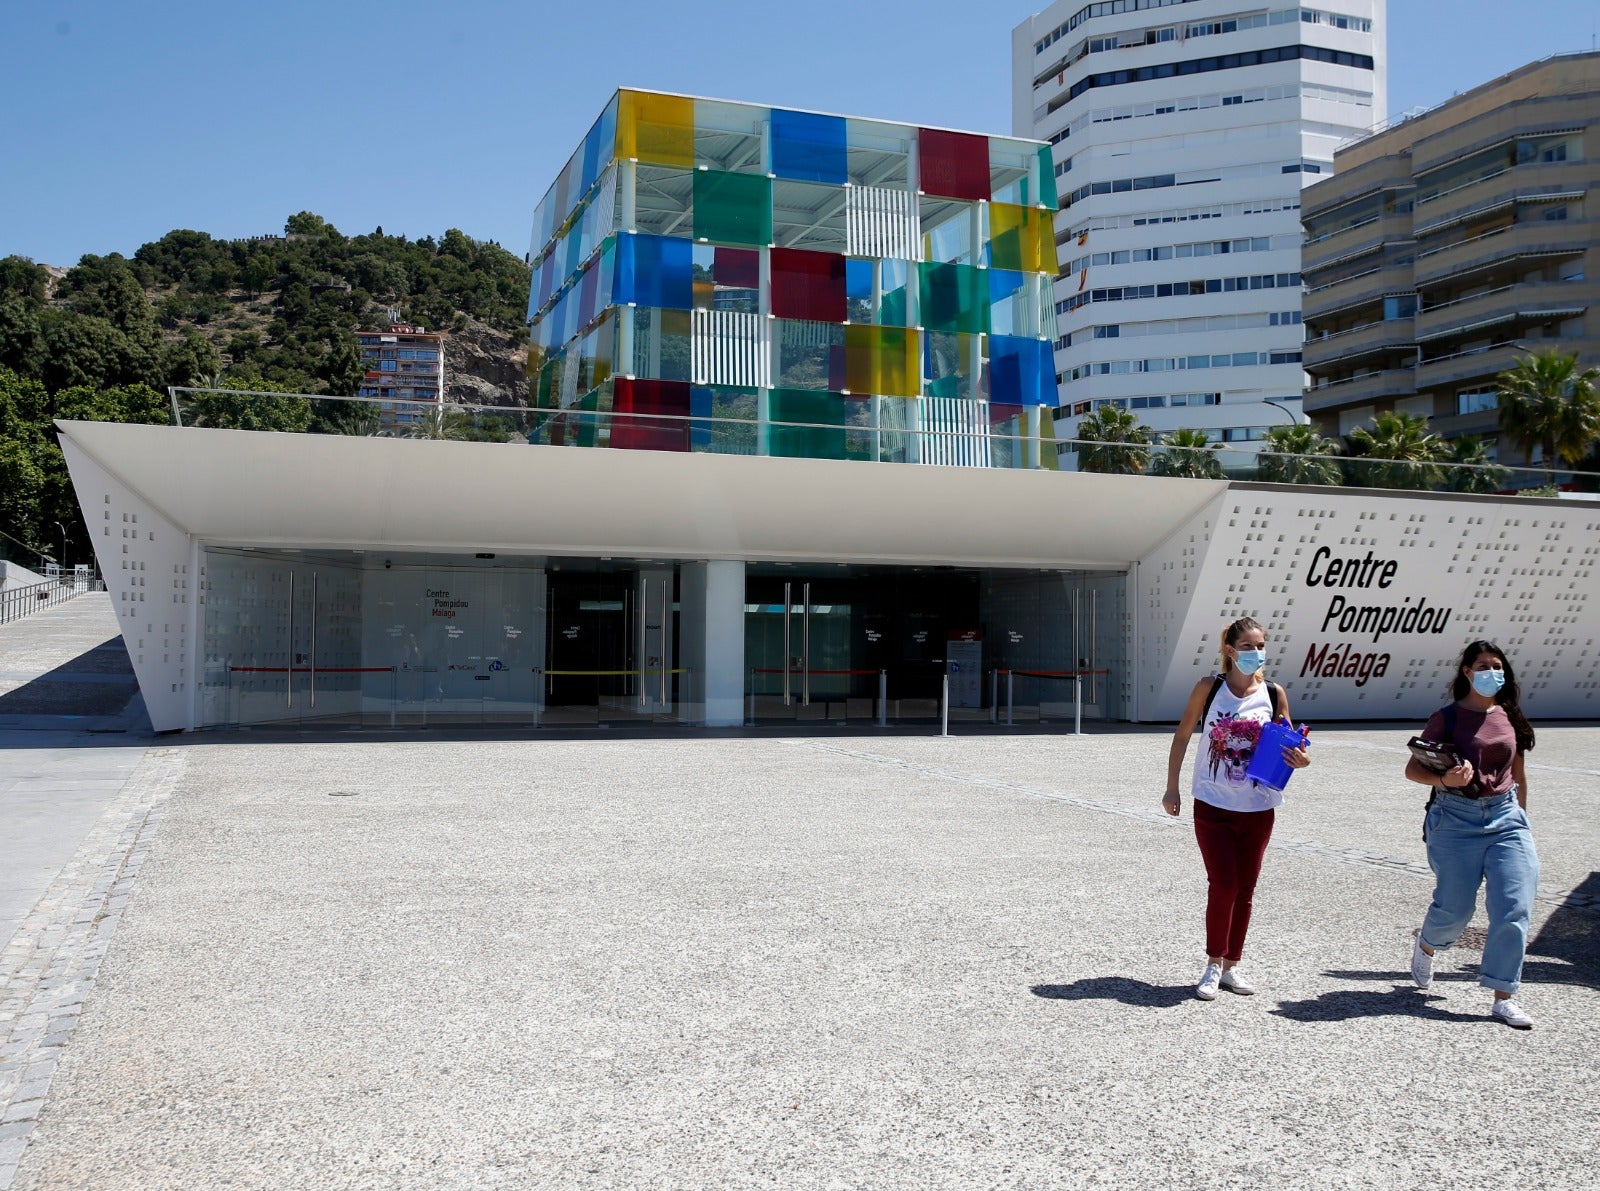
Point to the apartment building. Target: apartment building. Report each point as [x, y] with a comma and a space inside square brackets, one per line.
[404, 364]
[1448, 246]
[1183, 132]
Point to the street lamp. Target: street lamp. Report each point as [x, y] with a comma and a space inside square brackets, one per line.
[1294, 420]
[63, 530]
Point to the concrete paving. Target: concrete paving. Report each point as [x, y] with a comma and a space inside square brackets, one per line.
[798, 962]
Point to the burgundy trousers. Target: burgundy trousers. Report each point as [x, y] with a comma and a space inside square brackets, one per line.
[1232, 843]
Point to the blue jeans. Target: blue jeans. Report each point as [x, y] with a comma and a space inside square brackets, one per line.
[1471, 841]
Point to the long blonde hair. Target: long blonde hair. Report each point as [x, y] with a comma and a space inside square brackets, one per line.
[1231, 634]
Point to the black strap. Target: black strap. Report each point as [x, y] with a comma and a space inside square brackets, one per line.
[1274, 691]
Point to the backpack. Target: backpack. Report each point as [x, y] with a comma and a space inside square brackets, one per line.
[1274, 692]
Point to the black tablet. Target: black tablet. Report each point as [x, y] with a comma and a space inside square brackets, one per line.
[1437, 757]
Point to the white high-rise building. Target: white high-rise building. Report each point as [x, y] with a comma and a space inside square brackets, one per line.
[1183, 131]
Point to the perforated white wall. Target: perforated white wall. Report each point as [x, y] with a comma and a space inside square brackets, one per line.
[146, 562]
[1368, 599]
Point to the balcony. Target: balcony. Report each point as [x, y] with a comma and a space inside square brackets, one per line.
[1502, 189]
[1519, 241]
[1532, 302]
[1355, 241]
[1385, 385]
[1451, 372]
[1364, 289]
[1479, 422]
[1388, 173]
[1371, 339]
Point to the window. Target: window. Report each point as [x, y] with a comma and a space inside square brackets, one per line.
[1477, 401]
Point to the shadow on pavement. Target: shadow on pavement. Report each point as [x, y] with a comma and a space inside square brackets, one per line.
[98, 682]
[1117, 988]
[1567, 948]
[1402, 1001]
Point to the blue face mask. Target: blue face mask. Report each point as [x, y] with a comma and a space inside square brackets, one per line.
[1250, 660]
[1488, 682]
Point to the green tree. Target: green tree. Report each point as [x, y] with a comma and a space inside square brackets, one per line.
[1402, 452]
[21, 337]
[1113, 441]
[1298, 455]
[1188, 453]
[21, 278]
[1548, 402]
[247, 403]
[1476, 471]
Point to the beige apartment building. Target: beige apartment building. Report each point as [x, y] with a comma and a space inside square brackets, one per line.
[1449, 244]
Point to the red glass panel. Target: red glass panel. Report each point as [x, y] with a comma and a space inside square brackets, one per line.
[808, 285]
[647, 397]
[737, 268]
[953, 164]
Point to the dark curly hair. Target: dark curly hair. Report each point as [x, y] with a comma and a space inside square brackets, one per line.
[1509, 696]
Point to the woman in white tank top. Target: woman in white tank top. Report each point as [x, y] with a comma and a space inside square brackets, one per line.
[1232, 815]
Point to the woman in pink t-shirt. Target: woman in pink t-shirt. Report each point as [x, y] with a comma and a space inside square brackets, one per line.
[1477, 827]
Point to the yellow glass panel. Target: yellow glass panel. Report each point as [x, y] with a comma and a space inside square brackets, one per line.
[882, 360]
[656, 128]
[1044, 235]
[1022, 238]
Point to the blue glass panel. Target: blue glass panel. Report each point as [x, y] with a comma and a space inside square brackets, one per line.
[700, 433]
[858, 280]
[655, 271]
[1021, 371]
[808, 147]
[600, 145]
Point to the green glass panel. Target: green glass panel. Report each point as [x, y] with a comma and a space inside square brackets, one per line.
[954, 298]
[1047, 179]
[894, 311]
[815, 413]
[732, 208]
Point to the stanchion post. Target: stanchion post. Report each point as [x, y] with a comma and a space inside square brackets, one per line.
[1077, 704]
[944, 706]
[994, 696]
[1011, 686]
[750, 702]
[883, 698]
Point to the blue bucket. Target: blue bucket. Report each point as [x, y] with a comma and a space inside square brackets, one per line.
[1267, 766]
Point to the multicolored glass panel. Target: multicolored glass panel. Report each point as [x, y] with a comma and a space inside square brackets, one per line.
[709, 275]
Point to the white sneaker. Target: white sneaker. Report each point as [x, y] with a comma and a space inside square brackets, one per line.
[1511, 1013]
[1421, 964]
[1234, 979]
[1210, 981]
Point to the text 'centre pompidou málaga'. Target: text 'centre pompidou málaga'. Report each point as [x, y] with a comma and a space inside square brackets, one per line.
[716, 276]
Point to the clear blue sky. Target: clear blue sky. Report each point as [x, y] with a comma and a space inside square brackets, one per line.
[120, 121]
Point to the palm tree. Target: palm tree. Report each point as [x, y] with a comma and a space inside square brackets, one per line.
[1189, 454]
[1546, 401]
[1112, 440]
[1408, 451]
[1479, 473]
[1298, 455]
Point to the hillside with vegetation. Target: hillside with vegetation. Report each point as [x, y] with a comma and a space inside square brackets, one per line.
[104, 338]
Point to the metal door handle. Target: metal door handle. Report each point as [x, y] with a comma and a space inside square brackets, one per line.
[666, 611]
[805, 648]
[313, 658]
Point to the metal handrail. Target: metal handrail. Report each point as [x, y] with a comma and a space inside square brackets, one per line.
[17, 602]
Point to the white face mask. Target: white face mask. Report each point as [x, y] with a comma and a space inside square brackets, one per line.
[1250, 660]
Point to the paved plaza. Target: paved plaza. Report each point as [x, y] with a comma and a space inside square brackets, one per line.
[830, 960]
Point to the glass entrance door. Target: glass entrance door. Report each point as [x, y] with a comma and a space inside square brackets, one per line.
[610, 645]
